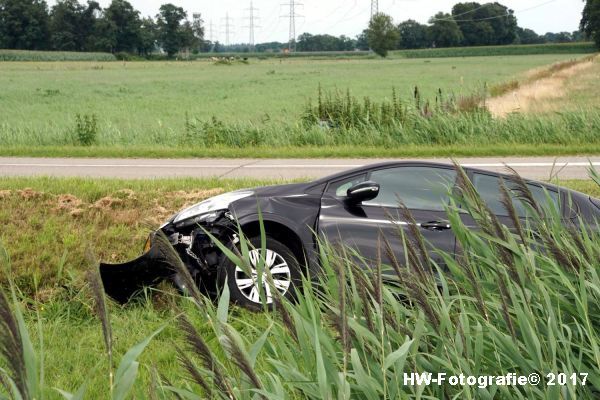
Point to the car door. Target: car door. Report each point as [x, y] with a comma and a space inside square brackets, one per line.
[423, 189]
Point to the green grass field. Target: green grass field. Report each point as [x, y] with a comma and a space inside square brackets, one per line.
[149, 103]
[49, 226]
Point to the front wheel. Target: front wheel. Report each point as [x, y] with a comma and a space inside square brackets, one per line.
[281, 264]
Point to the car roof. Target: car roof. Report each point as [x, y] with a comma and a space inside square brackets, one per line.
[390, 164]
[368, 167]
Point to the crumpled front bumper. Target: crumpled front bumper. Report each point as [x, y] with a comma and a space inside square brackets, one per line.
[124, 281]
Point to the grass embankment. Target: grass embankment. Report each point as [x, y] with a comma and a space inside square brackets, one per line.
[341, 151]
[506, 308]
[169, 108]
[45, 219]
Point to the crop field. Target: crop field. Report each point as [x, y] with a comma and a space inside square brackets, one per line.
[166, 108]
[51, 225]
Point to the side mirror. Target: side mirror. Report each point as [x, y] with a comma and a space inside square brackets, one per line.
[363, 191]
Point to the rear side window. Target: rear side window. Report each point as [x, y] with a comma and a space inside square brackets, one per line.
[419, 188]
[488, 187]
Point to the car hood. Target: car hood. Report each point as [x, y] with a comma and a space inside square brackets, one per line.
[293, 189]
[221, 201]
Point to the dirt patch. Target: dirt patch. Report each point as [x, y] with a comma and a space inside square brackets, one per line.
[533, 95]
[190, 198]
[69, 203]
[107, 203]
[159, 214]
[29, 193]
[125, 217]
[196, 195]
[127, 194]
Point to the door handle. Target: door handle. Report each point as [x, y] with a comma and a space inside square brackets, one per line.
[436, 225]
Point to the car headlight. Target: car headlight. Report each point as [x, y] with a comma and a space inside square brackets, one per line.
[211, 205]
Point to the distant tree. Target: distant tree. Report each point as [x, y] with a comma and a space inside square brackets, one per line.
[444, 31]
[413, 35]
[126, 21]
[198, 32]
[578, 36]
[488, 24]
[382, 34]
[362, 42]
[558, 37]
[308, 42]
[148, 36]
[92, 33]
[170, 33]
[23, 24]
[189, 41]
[528, 36]
[590, 21]
[270, 47]
[65, 22]
[103, 37]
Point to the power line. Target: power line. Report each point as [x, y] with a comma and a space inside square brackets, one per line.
[251, 17]
[228, 28]
[374, 8]
[292, 16]
[452, 18]
[346, 17]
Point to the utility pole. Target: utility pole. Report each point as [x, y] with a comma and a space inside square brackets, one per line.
[374, 7]
[292, 16]
[252, 17]
[228, 28]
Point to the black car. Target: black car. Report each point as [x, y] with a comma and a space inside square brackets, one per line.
[353, 208]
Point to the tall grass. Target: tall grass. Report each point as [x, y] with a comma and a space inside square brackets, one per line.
[518, 302]
[376, 128]
[522, 300]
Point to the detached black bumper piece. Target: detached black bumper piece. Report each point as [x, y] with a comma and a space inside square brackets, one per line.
[123, 281]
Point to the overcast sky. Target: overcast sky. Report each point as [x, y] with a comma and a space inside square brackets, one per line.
[350, 17]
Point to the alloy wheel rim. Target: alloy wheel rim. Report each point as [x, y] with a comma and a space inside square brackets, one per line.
[275, 266]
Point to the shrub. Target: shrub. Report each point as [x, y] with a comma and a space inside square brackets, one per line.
[86, 129]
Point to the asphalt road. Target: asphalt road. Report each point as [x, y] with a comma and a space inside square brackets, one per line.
[529, 167]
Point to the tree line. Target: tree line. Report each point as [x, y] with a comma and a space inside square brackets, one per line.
[72, 26]
[119, 28]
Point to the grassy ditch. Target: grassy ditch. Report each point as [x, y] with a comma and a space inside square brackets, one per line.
[50, 223]
[507, 306]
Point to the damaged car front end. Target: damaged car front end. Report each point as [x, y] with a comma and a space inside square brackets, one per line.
[186, 233]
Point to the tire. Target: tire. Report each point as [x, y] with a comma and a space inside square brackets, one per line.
[284, 267]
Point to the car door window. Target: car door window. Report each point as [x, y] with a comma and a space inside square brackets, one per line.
[488, 187]
[420, 188]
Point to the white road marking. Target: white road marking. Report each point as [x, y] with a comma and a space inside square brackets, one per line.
[296, 166]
